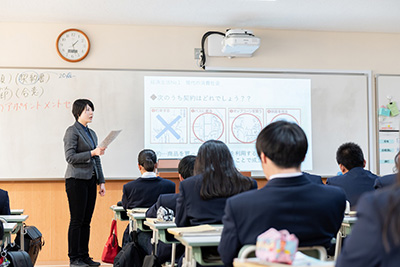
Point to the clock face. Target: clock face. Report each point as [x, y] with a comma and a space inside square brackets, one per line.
[73, 45]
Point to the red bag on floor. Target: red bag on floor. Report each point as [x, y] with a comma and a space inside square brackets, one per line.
[111, 248]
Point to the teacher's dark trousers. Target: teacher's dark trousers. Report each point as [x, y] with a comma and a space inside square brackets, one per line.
[81, 198]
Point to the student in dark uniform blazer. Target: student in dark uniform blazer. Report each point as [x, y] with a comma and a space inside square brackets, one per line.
[313, 178]
[144, 192]
[385, 181]
[375, 238]
[311, 211]
[185, 170]
[389, 179]
[202, 197]
[4, 203]
[355, 179]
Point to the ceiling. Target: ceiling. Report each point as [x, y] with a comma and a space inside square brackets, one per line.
[325, 15]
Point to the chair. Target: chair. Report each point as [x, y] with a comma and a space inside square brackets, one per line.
[247, 251]
[2, 221]
[206, 256]
[318, 252]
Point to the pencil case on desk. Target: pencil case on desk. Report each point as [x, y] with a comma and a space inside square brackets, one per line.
[276, 246]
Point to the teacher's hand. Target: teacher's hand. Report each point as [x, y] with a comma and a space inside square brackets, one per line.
[102, 190]
[98, 151]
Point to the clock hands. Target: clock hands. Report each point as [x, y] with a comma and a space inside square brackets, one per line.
[73, 45]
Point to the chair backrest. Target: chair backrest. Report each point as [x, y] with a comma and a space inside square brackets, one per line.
[318, 252]
[247, 251]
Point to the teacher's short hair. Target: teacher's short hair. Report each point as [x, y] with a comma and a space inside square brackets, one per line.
[285, 143]
[79, 106]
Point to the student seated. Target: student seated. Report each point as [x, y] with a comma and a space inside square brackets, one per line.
[144, 191]
[385, 181]
[375, 238]
[355, 179]
[289, 200]
[389, 179]
[185, 170]
[202, 197]
[313, 178]
[4, 203]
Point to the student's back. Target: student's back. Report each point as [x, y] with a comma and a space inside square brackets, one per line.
[193, 210]
[4, 203]
[143, 192]
[290, 200]
[202, 197]
[355, 182]
[385, 181]
[185, 170]
[355, 179]
[366, 244]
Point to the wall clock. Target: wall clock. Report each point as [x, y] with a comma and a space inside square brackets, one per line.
[73, 45]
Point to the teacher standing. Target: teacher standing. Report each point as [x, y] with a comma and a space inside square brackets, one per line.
[83, 174]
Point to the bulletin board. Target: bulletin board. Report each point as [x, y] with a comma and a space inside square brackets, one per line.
[388, 101]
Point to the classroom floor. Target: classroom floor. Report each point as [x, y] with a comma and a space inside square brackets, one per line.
[60, 264]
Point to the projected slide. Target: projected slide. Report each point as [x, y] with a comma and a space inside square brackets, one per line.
[181, 113]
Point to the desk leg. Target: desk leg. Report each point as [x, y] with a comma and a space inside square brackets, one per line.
[338, 245]
[185, 262]
[190, 262]
[22, 239]
[130, 226]
[154, 240]
[173, 254]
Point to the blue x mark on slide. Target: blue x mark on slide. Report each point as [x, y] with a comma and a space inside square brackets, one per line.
[168, 127]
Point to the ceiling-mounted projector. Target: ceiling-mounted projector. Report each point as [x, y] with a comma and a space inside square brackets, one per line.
[239, 43]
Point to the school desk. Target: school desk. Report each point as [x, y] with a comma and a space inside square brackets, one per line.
[9, 228]
[119, 211]
[19, 220]
[195, 241]
[160, 234]
[17, 211]
[136, 219]
[344, 230]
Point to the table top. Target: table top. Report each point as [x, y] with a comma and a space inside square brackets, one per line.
[9, 227]
[158, 225]
[200, 240]
[14, 218]
[17, 211]
[117, 208]
[136, 216]
[349, 219]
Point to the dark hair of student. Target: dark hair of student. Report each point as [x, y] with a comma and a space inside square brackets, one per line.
[79, 106]
[186, 166]
[391, 221]
[220, 176]
[350, 155]
[147, 158]
[284, 143]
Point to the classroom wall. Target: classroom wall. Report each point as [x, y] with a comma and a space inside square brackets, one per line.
[144, 47]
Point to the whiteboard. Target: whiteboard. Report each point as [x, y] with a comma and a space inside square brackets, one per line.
[35, 110]
[388, 88]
